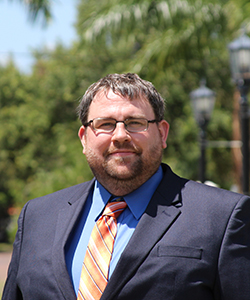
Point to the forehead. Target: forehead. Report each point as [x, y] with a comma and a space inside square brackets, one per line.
[107, 102]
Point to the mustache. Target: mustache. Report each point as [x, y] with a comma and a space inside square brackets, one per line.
[120, 147]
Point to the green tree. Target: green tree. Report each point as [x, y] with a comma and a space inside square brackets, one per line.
[38, 8]
[14, 93]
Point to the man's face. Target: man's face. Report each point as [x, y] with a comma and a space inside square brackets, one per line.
[120, 155]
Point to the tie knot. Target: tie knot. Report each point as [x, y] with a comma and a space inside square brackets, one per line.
[114, 209]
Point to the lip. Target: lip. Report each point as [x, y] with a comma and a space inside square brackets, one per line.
[122, 153]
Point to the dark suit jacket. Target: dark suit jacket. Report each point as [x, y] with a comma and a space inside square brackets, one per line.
[192, 243]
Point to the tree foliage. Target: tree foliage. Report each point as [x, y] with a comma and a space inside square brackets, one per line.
[39, 8]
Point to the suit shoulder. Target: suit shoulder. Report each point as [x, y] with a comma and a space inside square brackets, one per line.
[212, 199]
[197, 194]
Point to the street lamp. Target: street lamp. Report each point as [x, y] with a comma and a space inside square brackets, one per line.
[202, 101]
[239, 51]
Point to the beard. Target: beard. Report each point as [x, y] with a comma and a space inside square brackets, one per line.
[122, 175]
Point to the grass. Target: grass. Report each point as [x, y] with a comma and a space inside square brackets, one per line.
[5, 247]
[1, 288]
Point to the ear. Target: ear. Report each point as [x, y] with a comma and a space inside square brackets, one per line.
[163, 129]
[82, 137]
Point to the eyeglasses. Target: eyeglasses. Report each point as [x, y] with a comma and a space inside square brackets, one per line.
[107, 125]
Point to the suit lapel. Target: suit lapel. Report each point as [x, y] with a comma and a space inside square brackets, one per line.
[67, 218]
[161, 212]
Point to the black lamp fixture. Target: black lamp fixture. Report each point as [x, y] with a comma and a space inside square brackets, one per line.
[202, 100]
[239, 51]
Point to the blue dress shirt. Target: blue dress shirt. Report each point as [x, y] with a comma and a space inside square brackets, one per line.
[137, 202]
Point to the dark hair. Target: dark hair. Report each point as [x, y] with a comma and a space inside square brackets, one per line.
[127, 85]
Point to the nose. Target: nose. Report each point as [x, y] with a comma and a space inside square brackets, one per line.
[120, 134]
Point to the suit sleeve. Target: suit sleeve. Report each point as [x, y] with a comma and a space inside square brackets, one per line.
[11, 291]
[234, 258]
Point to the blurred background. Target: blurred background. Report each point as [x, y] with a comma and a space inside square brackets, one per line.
[64, 46]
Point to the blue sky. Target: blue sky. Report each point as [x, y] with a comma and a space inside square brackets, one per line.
[18, 35]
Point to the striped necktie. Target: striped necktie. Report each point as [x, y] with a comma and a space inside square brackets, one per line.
[95, 269]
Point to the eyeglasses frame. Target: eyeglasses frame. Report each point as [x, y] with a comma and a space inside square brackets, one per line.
[148, 122]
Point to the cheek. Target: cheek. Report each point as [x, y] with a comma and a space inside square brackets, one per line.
[154, 141]
[98, 144]
[143, 144]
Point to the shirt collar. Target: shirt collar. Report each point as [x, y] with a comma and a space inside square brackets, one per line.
[137, 201]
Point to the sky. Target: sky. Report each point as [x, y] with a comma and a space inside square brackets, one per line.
[19, 35]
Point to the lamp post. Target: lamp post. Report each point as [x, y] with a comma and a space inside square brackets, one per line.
[239, 51]
[202, 100]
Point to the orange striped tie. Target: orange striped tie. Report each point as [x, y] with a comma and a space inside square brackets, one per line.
[94, 276]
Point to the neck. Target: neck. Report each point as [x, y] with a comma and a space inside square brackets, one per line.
[118, 187]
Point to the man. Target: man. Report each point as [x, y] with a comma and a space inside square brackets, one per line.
[176, 239]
